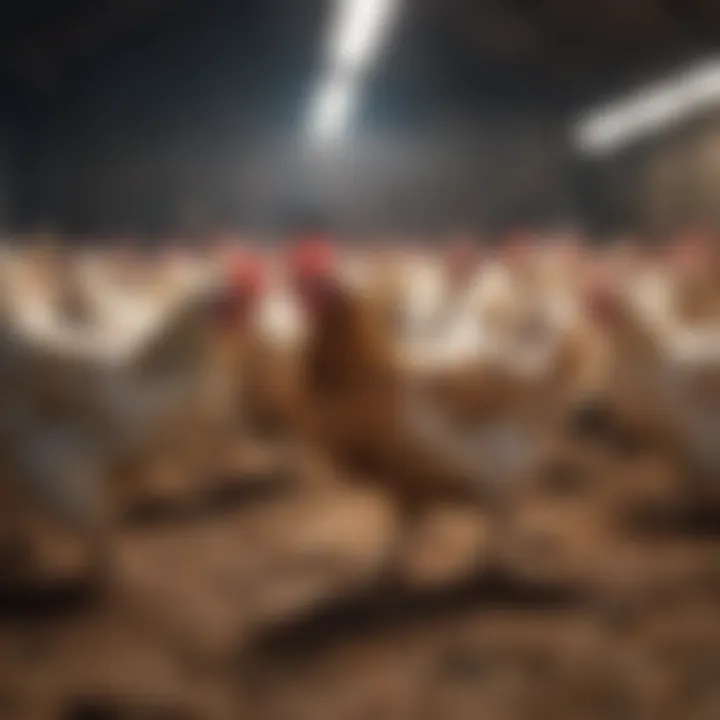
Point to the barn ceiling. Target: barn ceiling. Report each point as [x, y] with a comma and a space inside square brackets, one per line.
[445, 55]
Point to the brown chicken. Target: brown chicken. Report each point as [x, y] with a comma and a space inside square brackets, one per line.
[351, 399]
[215, 352]
[633, 398]
[696, 264]
[362, 407]
[271, 348]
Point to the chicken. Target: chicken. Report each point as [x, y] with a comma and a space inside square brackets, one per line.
[55, 523]
[696, 265]
[390, 278]
[117, 395]
[183, 383]
[241, 287]
[692, 394]
[272, 346]
[420, 292]
[428, 427]
[653, 293]
[352, 391]
[506, 295]
[658, 388]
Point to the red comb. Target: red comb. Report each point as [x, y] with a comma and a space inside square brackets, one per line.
[245, 272]
[312, 258]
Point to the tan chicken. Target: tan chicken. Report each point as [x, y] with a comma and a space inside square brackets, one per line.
[389, 269]
[270, 359]
[507, 294]
[420, 292]
[428, 428]
[657, 389]
[352, 391]
[239, 288]
[695, 261]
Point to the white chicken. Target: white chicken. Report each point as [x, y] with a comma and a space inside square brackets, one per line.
[91, 395]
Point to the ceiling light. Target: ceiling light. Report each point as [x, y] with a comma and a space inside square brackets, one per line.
[331, 109]
[357, 31]
[649, 110]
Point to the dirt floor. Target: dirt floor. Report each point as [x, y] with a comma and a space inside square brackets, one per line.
[265, 596]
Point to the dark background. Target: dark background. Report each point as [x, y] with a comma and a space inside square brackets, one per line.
[172, 116]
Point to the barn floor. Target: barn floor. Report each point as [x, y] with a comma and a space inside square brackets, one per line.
[262, 599]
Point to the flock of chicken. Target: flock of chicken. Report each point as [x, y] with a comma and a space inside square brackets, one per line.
[455, 375]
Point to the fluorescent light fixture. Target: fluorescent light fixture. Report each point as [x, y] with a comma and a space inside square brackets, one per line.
[331, 109]
[356, 32]
[650, 110]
